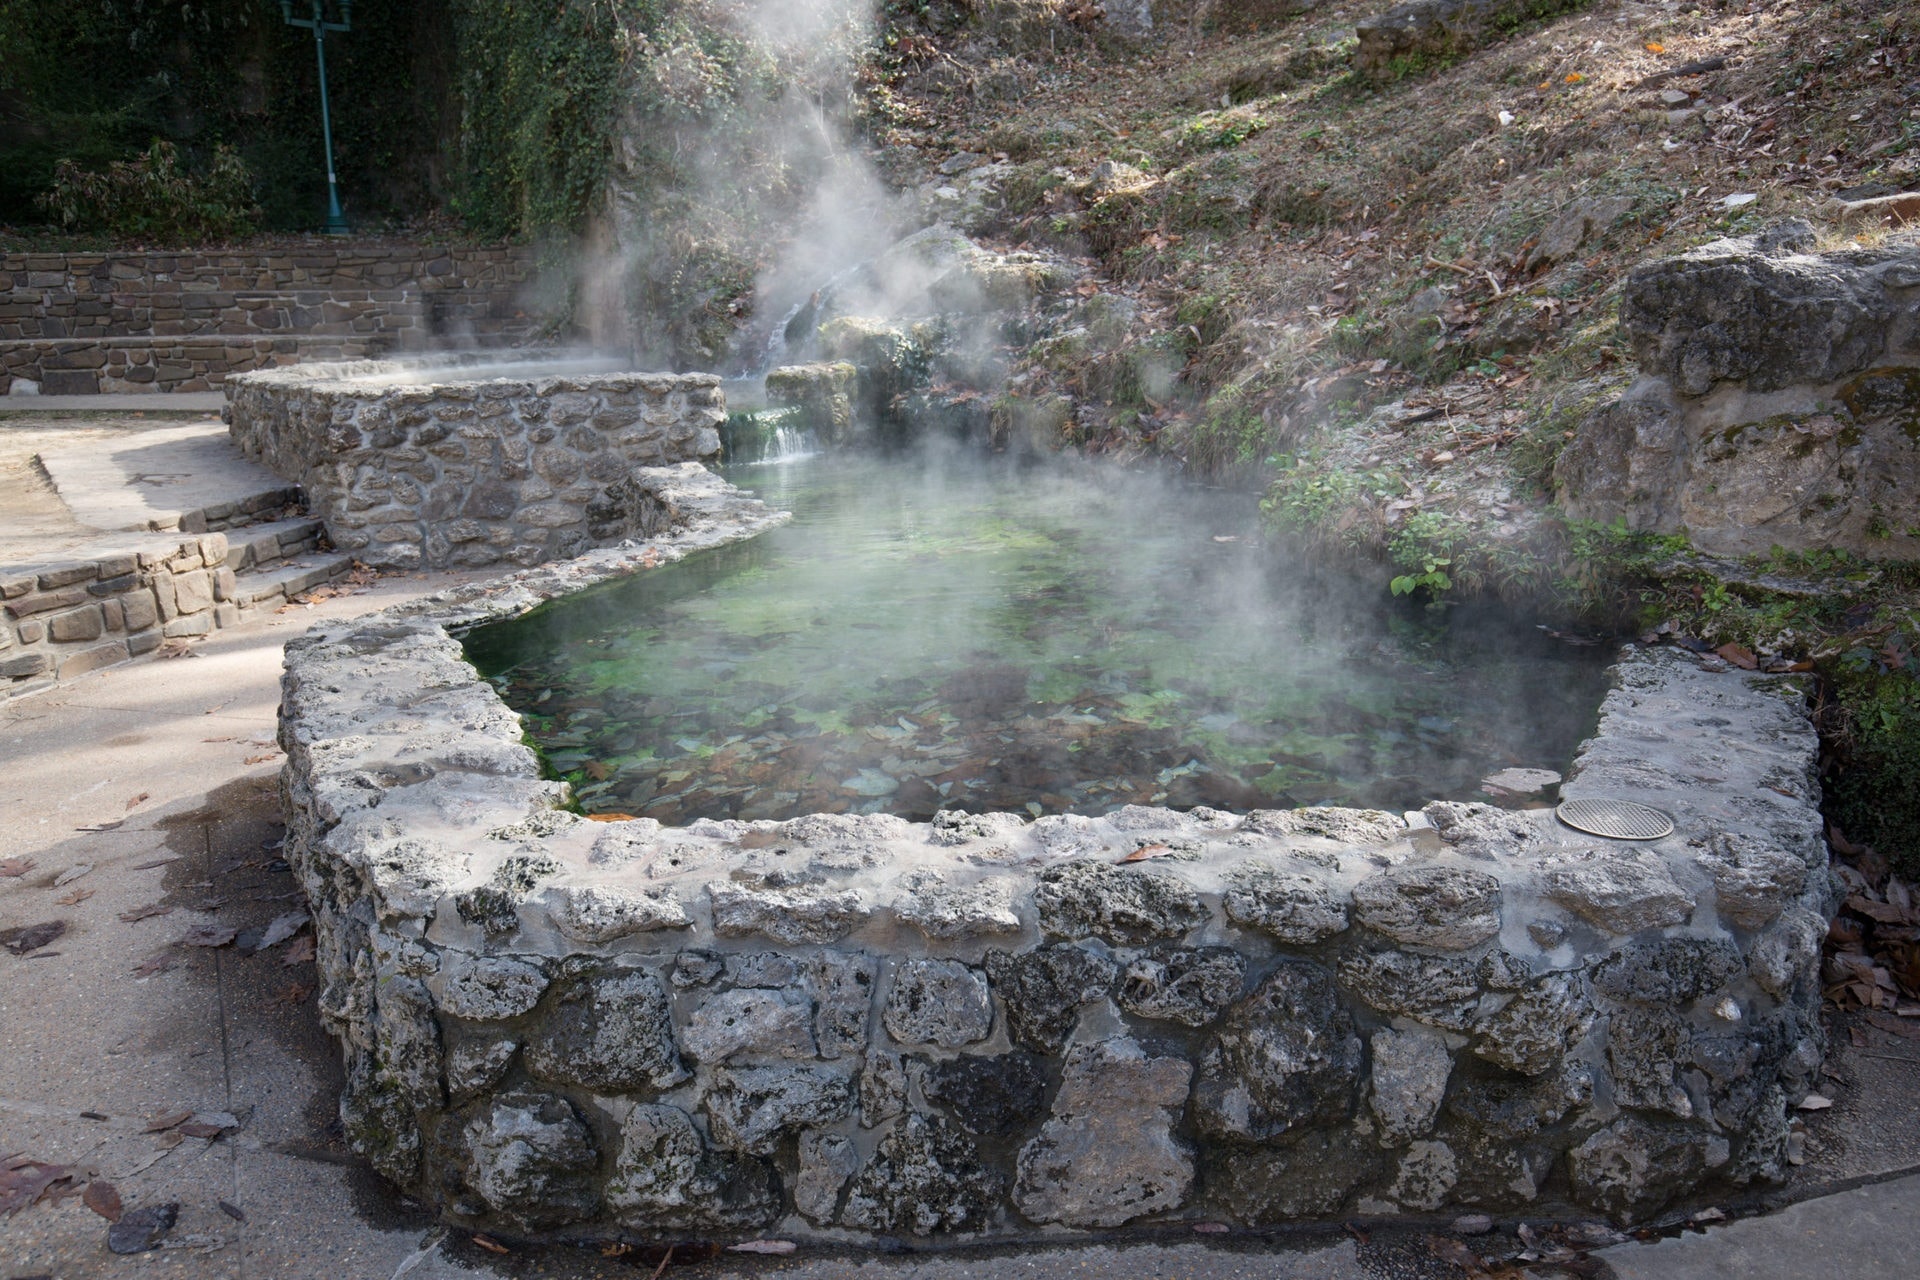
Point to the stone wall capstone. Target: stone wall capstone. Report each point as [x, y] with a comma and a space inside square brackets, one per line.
[410, 466]
[991, 1026]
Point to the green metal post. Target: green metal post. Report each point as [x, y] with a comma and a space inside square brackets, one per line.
[318, 24]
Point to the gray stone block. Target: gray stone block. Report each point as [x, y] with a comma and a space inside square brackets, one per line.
[77, 625]
[92, 659]
[193, 591]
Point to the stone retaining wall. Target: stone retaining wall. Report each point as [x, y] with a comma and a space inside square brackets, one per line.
[104, 322]
[519, 470]
[856, 1027]
[60, 620]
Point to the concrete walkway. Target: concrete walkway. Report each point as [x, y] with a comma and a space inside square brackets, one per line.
[195, 402]
[70, 487]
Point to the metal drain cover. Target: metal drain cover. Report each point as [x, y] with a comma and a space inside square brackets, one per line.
[1615, 819]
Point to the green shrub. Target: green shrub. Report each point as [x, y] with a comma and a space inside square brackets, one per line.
[151, 198]
[1872, 793]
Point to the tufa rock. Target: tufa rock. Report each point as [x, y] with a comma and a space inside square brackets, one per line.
[1645, 1051]
[595, 913]
[1788, 953]
[750, 1022]
[750, 1108]
[1534, 1030]
[530, 1158]
[1619, 890]
[945, 911]
[1441, 991]
[1448, 908]
[1635, 1167]
[996, 1095]
[488, 988]
[612, 1030]
[827, 1161]
[1043, 990]
[1120, 905]
[941, 1002]
[1296, 909]
[1669, 971]
[1285, 1056]
[1189, 986]
[925, 1177]
[666, 1178]
[1308, 1178]
[785, 915]
[1108, 1154]
[1410, 1072]
[1753, 882]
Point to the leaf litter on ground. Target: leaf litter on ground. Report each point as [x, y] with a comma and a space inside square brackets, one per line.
[23, 941]
[209, 935]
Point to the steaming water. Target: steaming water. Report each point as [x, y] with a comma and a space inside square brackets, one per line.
[433, 371]
[932, 634]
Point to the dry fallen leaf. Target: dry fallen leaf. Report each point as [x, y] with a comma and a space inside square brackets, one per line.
[31, 938]
[1739, 655]
[295, 994]
[1146, 851]
[282, 928]
[1654, 46]
[140, 799]
[609, 817]
[23, 1181]
[777, 1247]
[16, 866]
[209, 935]
[141, 913]
[299, 951]
[103, 1198]
[161, 1123]
[490, 1244]
[262, 759]
[158, 962]
[75, 898]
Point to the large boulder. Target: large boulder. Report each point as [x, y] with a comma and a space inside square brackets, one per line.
[1779, 402]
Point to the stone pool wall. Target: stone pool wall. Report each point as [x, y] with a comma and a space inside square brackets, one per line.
[439, 472]
[857, 1027]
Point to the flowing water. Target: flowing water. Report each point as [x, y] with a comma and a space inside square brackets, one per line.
[935, 632]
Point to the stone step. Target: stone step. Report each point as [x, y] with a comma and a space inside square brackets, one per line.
[272, 541]
[263, 506]
[284, 581]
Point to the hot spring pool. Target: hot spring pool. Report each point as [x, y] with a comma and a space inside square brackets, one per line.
[936, 632]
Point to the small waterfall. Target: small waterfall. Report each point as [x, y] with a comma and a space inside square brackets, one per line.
[762, 436]
[775, 352]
